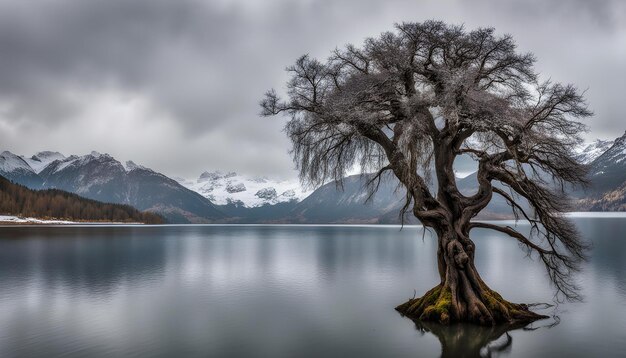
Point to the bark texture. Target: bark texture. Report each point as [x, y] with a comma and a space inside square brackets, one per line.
[462, 296]
[408, 103]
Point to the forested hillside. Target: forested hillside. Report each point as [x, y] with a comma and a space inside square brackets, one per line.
[18, 200]
[103, 178]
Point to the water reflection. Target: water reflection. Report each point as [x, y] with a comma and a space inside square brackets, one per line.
[96, 261]
[608, 254]
[472, 341]
[279, 291]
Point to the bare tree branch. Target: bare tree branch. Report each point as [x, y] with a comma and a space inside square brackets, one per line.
[409, 101]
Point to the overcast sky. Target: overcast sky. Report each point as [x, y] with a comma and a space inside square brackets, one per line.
[174, 85]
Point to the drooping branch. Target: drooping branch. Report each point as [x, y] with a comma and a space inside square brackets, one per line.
[409, 101]
[516, 207]
[549, 226]
[560, 267]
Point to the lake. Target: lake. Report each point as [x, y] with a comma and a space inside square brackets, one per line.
[283, 291]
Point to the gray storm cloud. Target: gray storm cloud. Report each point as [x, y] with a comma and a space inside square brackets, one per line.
[175, 85]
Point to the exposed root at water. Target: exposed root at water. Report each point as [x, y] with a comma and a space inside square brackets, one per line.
[444, 306]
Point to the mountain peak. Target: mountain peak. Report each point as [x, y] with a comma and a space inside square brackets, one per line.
[210, 176]
[590, 151]
[215, 175]
[47, 154]
[130, 165]
[42, 159]
[613, 159]
[99, 155]
[10, 162]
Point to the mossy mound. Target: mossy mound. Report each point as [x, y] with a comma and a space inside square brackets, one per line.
[437, 306]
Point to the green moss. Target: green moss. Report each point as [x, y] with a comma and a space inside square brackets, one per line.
[433, 306]
[444, 301]
[413, 306]
[492, 303]
[431, 296]
[437, 306]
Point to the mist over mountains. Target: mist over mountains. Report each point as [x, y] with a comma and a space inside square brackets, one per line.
[217, 197]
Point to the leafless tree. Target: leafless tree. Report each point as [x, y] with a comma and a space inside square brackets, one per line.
[418, 97]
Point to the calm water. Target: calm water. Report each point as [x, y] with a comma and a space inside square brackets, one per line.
[281, 291]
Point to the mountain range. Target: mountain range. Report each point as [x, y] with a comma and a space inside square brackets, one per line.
[607, 175]
[101, 177]
[250, 191]
[227, 197]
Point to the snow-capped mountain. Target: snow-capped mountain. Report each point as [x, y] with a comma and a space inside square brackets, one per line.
[589, 152]
[40, 160]
[15, 168]
[607, 175]
[608, 171]
[101, 177]
[615, 153]
[10, 162]
[248, 191]
[96, 176]
[230, 197]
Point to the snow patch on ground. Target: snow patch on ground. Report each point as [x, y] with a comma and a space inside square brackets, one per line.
[11, 219]
[19, 220]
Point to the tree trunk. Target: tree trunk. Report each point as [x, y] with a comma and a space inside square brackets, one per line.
[462, 296]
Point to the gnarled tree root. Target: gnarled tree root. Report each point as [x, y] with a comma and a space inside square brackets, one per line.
[438, 305]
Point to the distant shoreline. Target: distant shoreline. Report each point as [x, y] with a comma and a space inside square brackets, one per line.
[12, 220]
[63, 223]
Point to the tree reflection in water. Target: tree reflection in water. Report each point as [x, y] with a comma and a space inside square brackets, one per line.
[469, 341]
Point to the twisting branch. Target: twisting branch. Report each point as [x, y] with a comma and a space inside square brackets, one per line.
[409, 101]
